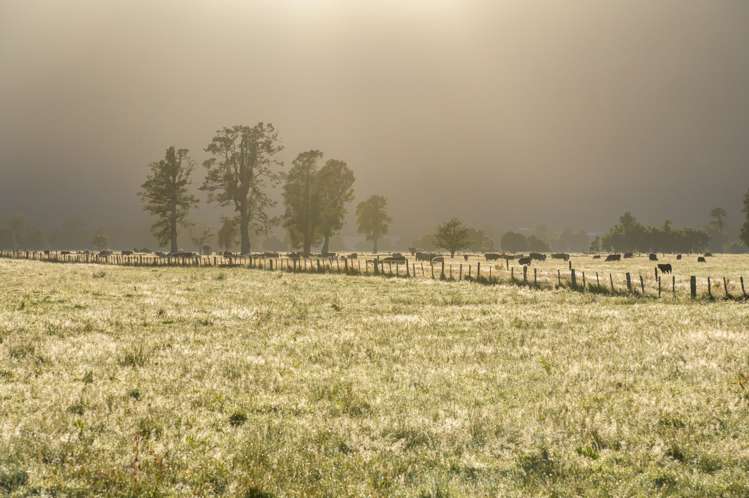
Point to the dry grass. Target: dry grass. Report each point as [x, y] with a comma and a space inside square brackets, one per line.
[202, 382]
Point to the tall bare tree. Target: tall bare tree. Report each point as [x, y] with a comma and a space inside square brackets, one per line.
[165, 194]
[241, 171]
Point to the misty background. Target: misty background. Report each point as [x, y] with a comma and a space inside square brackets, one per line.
[507, 114]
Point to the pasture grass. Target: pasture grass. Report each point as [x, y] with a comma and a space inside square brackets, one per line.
[229, 382]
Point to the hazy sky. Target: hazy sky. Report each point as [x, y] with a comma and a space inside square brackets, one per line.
[502, 112]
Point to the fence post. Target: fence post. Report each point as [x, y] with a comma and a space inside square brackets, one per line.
[743, 292]
[642, 285]
[659, 286]
[611, 279]
[460, 272]
[442, 274]
[535, 277]
[559, 278]
[693, 287]
[673, 285]
[709, 287]
[598, 282]
[725, 287]
[656, 273]
[478, 271]
[629, 282]
[525, 274]
[512, 274]
[584, 284]
[574, 278]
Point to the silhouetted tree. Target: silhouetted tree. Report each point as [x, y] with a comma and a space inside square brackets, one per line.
[100, 241]
[302, 199]
[536, 244]
[452, 235]
[200, 236]
[240, 172]
[745, 227]
[165, 195]
[718, 216]
[630, 235]
[514, 242]
[227, 234]
[372, 219]
[335, 182]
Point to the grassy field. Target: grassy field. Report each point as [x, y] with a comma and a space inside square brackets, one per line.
[120, 381]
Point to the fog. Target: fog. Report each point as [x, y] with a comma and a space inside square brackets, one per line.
[506, 114]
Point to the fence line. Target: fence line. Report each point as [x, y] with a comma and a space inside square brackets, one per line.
[570, 278]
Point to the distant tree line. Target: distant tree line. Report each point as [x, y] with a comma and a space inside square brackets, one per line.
[631, 235]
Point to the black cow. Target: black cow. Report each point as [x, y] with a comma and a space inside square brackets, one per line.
[614, 257]
[653, 257]
[560, 255]
[492, 256]
[425, 256]
[708, 254]
[664, 268]
[597, 256]
[628, 255]
[525, 261]
[537, 256]
[678, 256]
[701, 259]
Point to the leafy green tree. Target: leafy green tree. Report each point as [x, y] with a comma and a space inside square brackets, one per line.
[240, 172]
[302, 198]
[452, 235]
[165, 194]
[372, 219]
[227, 234]
[335, 182]
[745, 227]
[100, 241]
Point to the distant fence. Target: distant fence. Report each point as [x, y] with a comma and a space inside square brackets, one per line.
[657, 285]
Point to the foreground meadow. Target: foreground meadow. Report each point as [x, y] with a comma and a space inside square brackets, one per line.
[120, 381]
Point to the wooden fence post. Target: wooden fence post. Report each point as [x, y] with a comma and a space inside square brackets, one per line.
[559, 278]
[743, 292]
[478, 271]
[709, 287]
[535, 278]
[642, 285]
[442, 275]
[525, 274]
[629, 282]
[725, 287]
[460, 272]
[573, 277]
[584, 284]
[611, 279]
[659, 286]
[693, 287]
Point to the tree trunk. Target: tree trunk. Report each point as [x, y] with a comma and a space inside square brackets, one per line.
[326, 245]
[244, 233]
[173, 232]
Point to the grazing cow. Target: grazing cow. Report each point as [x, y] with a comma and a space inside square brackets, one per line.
[492, 256]
[708, 254]
[701, 259]
[664, 268]
[425, 256]
[653, 257]
[65, 253]
[127, 253]
[628, 255]
[614, 257]
[596, 256]
[678, 256]
[395, 258]
[537, 256]
[525, 261]
[465, 257]
[560, 255]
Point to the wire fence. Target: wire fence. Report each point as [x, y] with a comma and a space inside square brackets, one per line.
[652, 285]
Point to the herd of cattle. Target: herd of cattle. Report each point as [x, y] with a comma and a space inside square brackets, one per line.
[393, 258]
